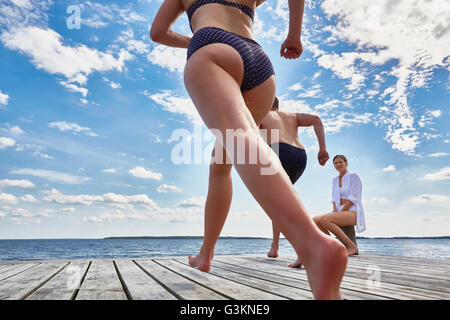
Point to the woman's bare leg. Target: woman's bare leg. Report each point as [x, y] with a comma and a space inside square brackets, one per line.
[317, 222]
[273, 252]
[212, 78]
[218, 203]
[334, 220]
[220, 190]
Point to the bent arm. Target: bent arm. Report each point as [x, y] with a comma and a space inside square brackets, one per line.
[307, 120]
[347, 205]
[166, 16]
[296, 9]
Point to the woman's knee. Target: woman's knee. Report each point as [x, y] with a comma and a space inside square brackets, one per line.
[220, 170]
[317, 219]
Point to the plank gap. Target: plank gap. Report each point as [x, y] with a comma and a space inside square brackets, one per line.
[74, 295]
[176, 295]
[44, 282]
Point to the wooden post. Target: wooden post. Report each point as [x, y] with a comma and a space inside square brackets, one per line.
[350, 232]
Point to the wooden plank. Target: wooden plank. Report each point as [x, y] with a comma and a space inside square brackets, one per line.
[432, 262]
[439, 267]
[181, 287]
[12, 270]
[24, 283]
[101, 283]
[400, 269]
[296, 282]
[252, 280]
[386, 290]
[139, 284]
[64, 285]
[424, 273]
[232, 289]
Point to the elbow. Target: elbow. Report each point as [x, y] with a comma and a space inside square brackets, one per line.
[317, 120]
[156, 35]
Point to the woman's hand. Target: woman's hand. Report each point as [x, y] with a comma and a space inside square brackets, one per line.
[323, 157]
[291, 48]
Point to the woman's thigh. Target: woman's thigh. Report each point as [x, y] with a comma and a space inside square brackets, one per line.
[213, 75]
[342, 218]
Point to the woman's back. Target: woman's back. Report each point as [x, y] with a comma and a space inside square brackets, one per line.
[231, 15]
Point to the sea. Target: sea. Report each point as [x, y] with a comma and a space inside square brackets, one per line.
[141, 247]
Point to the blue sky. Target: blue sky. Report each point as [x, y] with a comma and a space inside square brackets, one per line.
[87, 116]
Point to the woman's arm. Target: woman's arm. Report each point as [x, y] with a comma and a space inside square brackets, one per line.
[292, 46]
[306, 120]
[166, 16]
[347, 205]
[334, 207]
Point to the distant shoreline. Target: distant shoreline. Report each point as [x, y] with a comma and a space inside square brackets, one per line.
[226, 237]
[231, 237]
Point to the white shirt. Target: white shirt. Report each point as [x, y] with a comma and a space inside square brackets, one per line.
[351, 190]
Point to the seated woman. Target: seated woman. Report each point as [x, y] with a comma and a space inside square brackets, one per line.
[347, 205]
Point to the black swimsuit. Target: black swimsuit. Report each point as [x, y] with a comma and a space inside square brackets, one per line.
[293, 159]
[257, 65]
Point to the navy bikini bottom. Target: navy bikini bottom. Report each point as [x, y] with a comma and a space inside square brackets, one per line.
[293, 159]
[257, 65]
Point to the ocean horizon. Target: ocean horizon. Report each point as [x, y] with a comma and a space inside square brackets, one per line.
[157, 246]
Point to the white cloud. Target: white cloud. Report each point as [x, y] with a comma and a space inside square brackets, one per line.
[299, 106]
[414, 43]
[192, 203]
[443, 174]
[389, 168]
[169, 58]
[141, 172]
[24, 184]
[55, 176]
[377, 201]
[164, 188]
[3, 98]
[28, 198]
[96, 15]
[427, 118]
[108, 198]
[16, 131]
[109, 170]
[37, 150]
[6, 142]
[8, 198]
[439, 154]
[47, 52]
[73, 127]
[115, 85]
[432, 199]
[175, 104]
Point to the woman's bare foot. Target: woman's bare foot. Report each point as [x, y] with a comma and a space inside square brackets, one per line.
[202, 261]
[352, 251]
[325, 267]
[273, 252]
[296, 264]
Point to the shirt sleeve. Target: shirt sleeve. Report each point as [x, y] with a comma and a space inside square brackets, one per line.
[333, 190]
[355, 189]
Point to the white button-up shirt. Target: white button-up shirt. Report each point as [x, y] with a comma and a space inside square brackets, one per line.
[351, 190]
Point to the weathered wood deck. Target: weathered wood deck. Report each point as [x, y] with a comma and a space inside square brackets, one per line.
[247, 277]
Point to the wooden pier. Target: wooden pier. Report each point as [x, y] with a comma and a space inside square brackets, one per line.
[240, 277]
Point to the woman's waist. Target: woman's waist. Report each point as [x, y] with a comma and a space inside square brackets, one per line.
[244, 32]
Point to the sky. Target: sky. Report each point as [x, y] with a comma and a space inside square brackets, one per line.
[93, 113]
